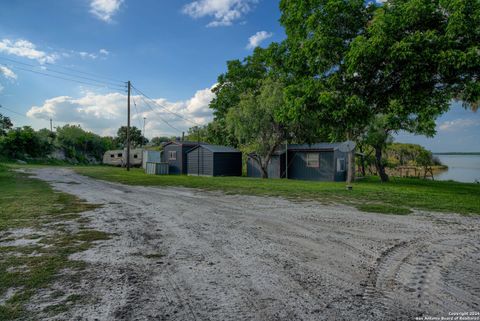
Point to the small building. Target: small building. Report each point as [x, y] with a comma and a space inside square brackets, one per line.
[156, 168]
[175, 154]
[321, 162]
[118, 157]
[151, 156]
[214, 160]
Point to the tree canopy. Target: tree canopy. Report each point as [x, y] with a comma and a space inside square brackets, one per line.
[353, 68]
[256, 123]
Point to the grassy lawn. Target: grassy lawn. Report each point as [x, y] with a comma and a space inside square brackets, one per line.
[396, 197]
[35, 243]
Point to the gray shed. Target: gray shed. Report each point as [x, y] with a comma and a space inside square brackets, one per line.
[214, 160]
[175, 154]
[321, 162]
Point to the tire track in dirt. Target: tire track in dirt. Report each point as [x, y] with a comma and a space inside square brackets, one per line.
[178, 254]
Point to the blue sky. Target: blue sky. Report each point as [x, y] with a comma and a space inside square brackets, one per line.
[173, 51]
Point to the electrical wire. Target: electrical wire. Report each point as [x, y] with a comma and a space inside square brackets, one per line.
[137, 113]
[68, 79]
[166, 108]
[166, 122]
[12, 111]
[64, 73]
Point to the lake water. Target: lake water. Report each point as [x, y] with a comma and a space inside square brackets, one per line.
[461, 168]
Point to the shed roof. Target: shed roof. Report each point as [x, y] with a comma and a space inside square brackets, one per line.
[217, 148]
[316, 146]
[186, 143]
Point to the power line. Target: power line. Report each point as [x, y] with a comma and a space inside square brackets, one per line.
[12, 111]
[85, 73]
[166, 108]
[68, 79]
[166, 122]
[136, 112]
[66, 74]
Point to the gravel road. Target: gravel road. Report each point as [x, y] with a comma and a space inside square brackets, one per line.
[185, 254]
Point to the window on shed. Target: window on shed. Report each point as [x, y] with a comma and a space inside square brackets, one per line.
[119, 155]
[172, 155]
[135, 156]
[313, 160]
[112, 155]
[340, 164]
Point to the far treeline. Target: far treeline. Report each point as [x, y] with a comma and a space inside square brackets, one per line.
[69, 143]
[72, 144]
[352, 70]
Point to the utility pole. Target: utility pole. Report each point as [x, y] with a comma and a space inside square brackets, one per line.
[51, 127]
[198, 151]
[286, 159]
[128, 126]
[143, 138]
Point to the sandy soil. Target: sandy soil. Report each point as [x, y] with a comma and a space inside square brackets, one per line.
[182, 254]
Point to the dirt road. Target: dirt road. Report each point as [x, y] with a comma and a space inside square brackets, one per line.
[182, 254]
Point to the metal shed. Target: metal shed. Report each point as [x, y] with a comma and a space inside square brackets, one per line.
[321, 162]
[214, 160]
[175, 154]
[151, 156]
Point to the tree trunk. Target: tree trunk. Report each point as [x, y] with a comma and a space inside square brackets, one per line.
[350, 168]
[362, 161]
[264, 172]
[379, 164]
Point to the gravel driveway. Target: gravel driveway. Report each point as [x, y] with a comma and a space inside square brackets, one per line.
[184, 254]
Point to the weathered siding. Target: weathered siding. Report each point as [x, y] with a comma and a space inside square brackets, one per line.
[340, 175]
[275, 168]
[298, 166]
[151, 156]
[175, 166]
[200, 162]
[253, 169]
[227, 164]
[156, 168]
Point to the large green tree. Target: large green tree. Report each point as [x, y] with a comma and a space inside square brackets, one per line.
[256, 122]
[136, 138]
[5, 124]
[81, 145]
[23, 143]
[404, 61]
[241, 77]
[414, 58]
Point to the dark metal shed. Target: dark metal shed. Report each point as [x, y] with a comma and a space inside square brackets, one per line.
[214, 160]
[175, 154]
[321, 162]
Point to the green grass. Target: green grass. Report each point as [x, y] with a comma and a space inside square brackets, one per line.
[384, 209]
[29, 203]
[367, 194]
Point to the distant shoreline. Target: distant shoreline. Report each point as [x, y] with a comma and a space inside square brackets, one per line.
[458, 153]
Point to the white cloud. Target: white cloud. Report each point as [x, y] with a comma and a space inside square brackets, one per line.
[255, 40]
[105, 113]
[85, 54]
[105, 9]
[458, 124]
[104, 52]
[8, 73]
[1, 88]
[26, 49]
[224, 12]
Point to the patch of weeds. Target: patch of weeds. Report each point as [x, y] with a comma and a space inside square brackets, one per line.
[31, 203]
[92, 235]
[384, 209]
[154, 256]
[57, 294]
